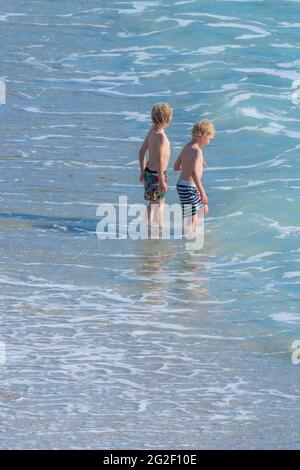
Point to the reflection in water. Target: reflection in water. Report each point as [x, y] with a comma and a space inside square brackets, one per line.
[154, 258]
[191, 275]
[168, 271]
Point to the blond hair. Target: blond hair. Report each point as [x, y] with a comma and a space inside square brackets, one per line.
[204, 127]
[161, 115]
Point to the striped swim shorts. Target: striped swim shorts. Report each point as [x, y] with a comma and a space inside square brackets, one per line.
[189, 198]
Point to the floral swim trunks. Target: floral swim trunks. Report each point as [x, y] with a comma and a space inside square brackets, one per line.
[151, 184]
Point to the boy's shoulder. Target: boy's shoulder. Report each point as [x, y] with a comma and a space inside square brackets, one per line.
[156, 136]
[193, 151]
[199, 154]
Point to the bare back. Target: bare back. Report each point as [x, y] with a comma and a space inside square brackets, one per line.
[158, 147]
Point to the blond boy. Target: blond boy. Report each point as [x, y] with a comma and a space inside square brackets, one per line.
[153, 171]
[190, 189]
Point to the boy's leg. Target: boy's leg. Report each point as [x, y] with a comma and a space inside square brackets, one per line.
[189, 225]
[157, 217]
[154, 220]
[149, 213]
[194, 222]
[200, 215]
[155, 211]
[161, 213]
[151, 220]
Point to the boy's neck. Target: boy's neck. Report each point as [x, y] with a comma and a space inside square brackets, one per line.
[194, 142]
[159, 129]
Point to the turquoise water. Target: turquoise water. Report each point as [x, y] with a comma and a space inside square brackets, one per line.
[122, 344]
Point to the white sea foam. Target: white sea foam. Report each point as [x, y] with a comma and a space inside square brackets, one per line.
[8, 15]
[211, 50]
[285, 45]
[180, 22]
[210, 15]
[43, 137]
[260, 32]
[288, 75]
[253, 112]
[273, 128]
[294, 63]
[285, 317]
[239, 97]
[284, 230]
[243, 1]
[141, 56]
[93, 10]
[136, 95]
[65, 16]
[138, 7]
[260, 256]
[122, 77]
[291, 274]
[33, 61]
[286, 24]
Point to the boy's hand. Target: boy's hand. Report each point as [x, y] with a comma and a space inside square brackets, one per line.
[142, 177]
[204, 164]
[163, 188]
[204, 198]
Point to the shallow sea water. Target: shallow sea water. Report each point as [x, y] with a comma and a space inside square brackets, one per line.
[122, 344]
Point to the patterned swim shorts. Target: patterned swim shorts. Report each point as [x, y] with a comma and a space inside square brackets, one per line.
[151, 184]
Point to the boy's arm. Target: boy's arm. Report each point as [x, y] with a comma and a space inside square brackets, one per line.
[162, 150]
[142, 152]
[197, 175]
[177, 164]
